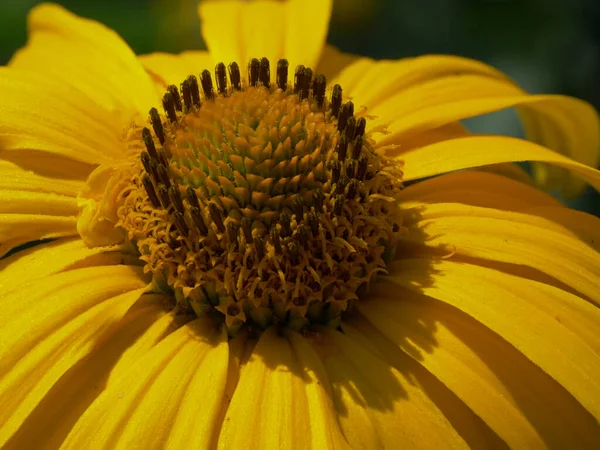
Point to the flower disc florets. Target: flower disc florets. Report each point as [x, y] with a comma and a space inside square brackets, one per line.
[262, 204]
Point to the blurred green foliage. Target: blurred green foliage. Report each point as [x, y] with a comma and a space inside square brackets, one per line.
[546, 45]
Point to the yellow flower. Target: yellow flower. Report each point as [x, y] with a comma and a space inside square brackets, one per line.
[231, 261]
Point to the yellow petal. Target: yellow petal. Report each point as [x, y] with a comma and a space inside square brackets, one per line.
[19, 202]
[526, 313]
[58, 256]
[333, 61]
[566, 125]
[478, 189]
[509, 237]
[517, 400]
[48, 325]
[14, 177]
[377, 406]
[476, 151]
[45, 115]
[167, 69]
[238, 31]
[136, 333]
[17, 229]
[89, 57]
[49, 165]
[370, 83]
[471, 427]
[419, 94]
[283, 399]
[170, 399]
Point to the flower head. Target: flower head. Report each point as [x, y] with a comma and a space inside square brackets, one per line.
[231, 259]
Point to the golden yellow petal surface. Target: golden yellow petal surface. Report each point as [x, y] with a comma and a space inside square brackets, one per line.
[88, 57]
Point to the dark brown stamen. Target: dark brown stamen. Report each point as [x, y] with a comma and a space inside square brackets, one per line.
[149, 143]
[298, 209]
[207, 85]
[145, 157]
[217, 217]
[336, 100]
[169, 106]
[221, 78]
[246, 227]
[306, 84]
[234, 76]
[264, 73]
[282, 74]
[342, 148]
[336, 168]
[194, 90]
[357, 147]
[157, 125]
[163, 175]
[175, 197]
[191, 197]
[150, 190]
[172, 89]
[338, 206]
[350, 168]
[285, 221]
[180, 224]
[352, 189]
[361, 125]
[259, 245]
[346, 112]
[298, 79]
[163, 158]
[341, 184]
[253, 68]
[187, 95]
[275, 239]
[318, 198]
[163, 195]
[350, 127]
[361, 171]
[319, 87]
[232, 232]
[198, 220]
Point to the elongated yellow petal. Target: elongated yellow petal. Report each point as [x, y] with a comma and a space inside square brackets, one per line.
[378, 407]
[58, 256]
[48, 325]
[471, 428]
[333, 61]
[238, 31]
[370, 82]
[45, 115]
[170, 399]
[167, 69]
[509, 237]
[12, 176]
[17, 229]
[284, 397]
[476, 151]
[513, 396]
[478, 188]
[136, 333]
[570, 126]
[424, 93]
[89, 57]
[525, 313]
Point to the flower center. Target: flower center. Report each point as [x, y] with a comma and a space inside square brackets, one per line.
[260, 204]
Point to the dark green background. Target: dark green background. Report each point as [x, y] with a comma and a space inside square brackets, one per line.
[546, 45]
